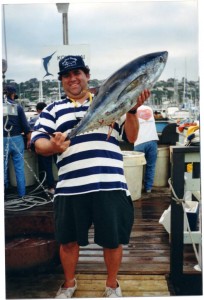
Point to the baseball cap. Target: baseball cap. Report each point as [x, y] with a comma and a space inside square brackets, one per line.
[71, 62]
[10, 89]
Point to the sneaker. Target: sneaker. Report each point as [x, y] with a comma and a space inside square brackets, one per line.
[113, 293]
[148, 191]
[64, 293]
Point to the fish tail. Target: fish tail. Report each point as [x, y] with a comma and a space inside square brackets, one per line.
[48, 74]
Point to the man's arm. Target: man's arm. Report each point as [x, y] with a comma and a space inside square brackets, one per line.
[131, 126]
[54, 145]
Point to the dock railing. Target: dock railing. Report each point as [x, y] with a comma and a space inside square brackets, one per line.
[180, 157]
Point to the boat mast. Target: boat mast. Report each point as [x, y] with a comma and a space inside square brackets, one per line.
[184, 85]
[176, 98]
[40, 97]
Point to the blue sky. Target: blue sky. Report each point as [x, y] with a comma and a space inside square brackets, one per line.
[115, 31]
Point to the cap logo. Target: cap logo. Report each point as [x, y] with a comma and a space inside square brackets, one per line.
[69, 62]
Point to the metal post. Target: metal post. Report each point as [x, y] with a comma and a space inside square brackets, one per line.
[65, 29]
[63, 9]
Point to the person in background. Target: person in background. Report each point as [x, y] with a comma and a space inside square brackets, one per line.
[44, 162]
[147, 143]
[15, 123]
[91, 188]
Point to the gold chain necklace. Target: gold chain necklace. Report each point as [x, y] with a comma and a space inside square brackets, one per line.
[76, 105]
[75, 102]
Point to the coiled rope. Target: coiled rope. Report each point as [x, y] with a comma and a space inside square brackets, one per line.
[28, 201]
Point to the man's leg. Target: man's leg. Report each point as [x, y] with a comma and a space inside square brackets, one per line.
[151, 158]
[113, 258]
[6, 161]
[47, 166]
[17, 147]
[69, 255]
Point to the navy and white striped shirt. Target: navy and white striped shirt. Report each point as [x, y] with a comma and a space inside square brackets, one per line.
[91, 163]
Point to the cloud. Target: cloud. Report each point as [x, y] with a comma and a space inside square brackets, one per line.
[116, 33]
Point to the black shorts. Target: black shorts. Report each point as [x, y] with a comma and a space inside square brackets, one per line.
[110, 212]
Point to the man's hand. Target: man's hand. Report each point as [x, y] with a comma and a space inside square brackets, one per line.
[131, 122]
[141, 99]
[56, 145]
[59, 142]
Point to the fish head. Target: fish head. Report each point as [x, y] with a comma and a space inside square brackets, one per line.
[142, 73]
[130, 80]
[155, 63]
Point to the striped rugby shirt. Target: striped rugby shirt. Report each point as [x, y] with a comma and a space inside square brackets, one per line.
[91, 163]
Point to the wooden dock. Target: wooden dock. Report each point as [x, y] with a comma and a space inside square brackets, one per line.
[144, 270]
[88, 286]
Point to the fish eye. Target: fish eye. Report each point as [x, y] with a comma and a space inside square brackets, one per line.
[161, 59]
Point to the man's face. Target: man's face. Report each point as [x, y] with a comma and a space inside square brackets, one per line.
[12, 96]
[75, 83]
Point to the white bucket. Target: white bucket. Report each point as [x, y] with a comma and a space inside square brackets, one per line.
[191, 208]
[162, 167]
[133, 170]
[31, 159]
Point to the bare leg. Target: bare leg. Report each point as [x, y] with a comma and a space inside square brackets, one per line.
[113, 258]
[69, 255]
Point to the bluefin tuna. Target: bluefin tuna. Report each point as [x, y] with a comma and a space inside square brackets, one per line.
[118, 94]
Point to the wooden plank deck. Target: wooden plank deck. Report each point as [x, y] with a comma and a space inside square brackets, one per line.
[145, 266]
[88, 286]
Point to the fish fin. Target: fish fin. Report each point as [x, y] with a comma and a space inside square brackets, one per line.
[110, 130]
[133, 85]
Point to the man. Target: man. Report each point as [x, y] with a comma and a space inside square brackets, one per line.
[147, 143]
[15, 124]
[91, 187]
[44, 162]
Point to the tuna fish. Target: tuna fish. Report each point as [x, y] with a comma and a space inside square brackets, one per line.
[118, 94]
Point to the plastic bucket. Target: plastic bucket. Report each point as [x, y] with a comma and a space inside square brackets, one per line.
[133, 169]
[192, 211]
[29, 170]
[162, 167]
